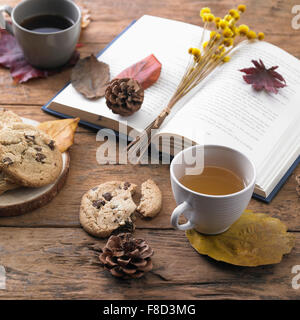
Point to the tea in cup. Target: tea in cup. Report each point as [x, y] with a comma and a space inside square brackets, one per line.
[213, 192]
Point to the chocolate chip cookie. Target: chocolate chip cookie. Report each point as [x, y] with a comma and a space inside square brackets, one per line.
[151, 200]
[28, 156]
[7, 118]
[107, 208]
[6, 184]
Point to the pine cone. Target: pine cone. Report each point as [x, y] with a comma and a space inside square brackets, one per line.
[124, 96]
[126, 257]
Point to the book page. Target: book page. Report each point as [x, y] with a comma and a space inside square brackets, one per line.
[227, 111]
[169, 41]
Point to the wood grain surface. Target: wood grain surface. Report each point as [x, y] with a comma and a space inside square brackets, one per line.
[47, 255]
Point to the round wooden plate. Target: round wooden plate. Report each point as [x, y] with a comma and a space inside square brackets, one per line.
[19, 201]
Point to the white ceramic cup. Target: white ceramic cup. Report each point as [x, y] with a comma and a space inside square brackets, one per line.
[210, 214]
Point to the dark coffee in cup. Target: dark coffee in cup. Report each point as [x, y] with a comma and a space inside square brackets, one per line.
[47, 23]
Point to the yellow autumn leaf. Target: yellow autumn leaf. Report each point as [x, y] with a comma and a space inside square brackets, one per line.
[253, 240]
[62, 131]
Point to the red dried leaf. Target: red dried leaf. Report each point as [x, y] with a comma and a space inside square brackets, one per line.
[11, 56]
[262, 78]
[146, 71]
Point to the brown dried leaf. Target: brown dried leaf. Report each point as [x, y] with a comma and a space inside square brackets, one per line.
[90, 77]
[255, 239]
[85, 16]
[62, 131]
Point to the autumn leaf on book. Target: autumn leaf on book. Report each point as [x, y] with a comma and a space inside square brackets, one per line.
[90, 77]
[146, 71]
[262, 78]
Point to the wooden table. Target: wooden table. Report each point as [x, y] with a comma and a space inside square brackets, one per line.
[46, 253]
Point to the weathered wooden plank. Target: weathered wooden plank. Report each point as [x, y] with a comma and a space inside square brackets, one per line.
[56, 263]
[86, 173]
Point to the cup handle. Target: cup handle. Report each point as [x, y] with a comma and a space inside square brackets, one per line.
[3, 23]
[183, 207]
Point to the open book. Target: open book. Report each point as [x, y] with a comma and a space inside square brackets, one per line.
[223, 110]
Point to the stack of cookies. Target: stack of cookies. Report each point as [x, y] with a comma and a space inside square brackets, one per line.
[28, 156]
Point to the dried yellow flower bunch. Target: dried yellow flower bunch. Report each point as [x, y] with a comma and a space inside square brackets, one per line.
[225, 35]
